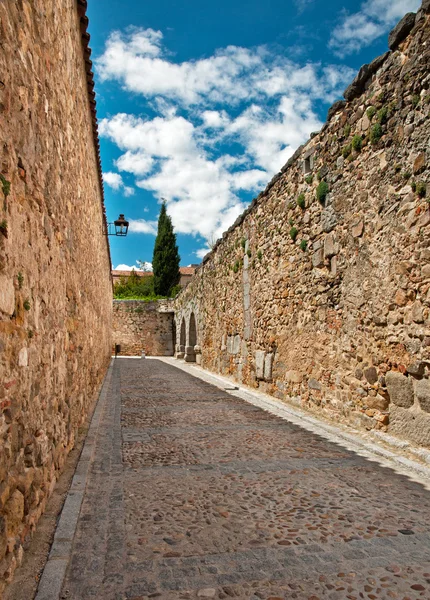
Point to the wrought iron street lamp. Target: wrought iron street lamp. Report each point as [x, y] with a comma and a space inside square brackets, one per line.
[118, 227]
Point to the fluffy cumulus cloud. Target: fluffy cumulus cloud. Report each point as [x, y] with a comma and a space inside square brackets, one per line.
[139, 266]
[224, 124]
[374, 19]
[114, 180]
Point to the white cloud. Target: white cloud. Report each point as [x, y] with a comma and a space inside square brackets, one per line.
[142, 226]
[259, 104]
[114, 180]
[374, 19]
[139, 266]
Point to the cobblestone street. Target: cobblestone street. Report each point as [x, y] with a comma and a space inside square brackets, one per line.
[195, 493]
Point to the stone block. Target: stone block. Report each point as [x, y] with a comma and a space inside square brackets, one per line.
[260, 355]
[7, 295]
[400, 389]
[422, 391]
[401, 30]
[371, 374]
[318, 258]
[357, 228]
[417, 312]
[330, 246]
[268, 365]
[293, 376]
[313, 384]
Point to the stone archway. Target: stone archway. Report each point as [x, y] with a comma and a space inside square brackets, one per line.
[190, 353]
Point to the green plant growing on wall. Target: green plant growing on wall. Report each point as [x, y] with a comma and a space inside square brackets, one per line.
[421, 189]
[347, 130]
[243, 243]
[301, 201]
[407, 175]
[371, 112]
[357, 143]
[375, 133]
[20, 278]
[3, 227]
[346, 151]
[26, 304]
[322, 191]
[30, 333]
[414, 186]
[236, 266]
[415, 100]
[259, 255]
[303, 245]
[5, 185]
[248, 252]
[293, 233]
[291, 221]
[383, 114]
[309, 179]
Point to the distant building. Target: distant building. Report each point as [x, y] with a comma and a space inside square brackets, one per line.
[186, 274]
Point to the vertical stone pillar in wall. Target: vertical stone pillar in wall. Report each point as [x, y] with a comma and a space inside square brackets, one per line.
[190, 355]
[180, 348]
[247, 331]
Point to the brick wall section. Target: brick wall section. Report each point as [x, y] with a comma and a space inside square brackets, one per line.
[55, 315]
[147, 326]
[336, 320]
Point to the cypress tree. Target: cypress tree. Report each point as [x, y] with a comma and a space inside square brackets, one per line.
[165, 261]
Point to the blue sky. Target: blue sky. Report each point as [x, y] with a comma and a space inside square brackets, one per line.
[201, 103]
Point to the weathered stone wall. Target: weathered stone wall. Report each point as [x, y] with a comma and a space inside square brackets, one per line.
[55, 315]
[326, 303]
[139, 325]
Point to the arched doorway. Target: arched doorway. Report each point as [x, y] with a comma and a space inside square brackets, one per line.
[193, 331]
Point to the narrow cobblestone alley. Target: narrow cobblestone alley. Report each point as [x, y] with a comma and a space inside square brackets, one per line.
[194, 493]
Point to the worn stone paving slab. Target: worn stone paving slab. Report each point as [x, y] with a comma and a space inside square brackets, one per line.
[195, 494]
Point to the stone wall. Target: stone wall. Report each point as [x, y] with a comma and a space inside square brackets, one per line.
[319, 294]
[143, 326]
[55, 316]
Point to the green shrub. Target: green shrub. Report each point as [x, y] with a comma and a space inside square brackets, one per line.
[3, 227]
[347, 130]
[421, 189]
[407, 175]
[357, 143]
[303, 245]
[26, 304]
[322, 191]
[20, 278]
[5, 185]
[375, 134]
[243, 243]
[301, 201]
[414, 186]
[236, 266]
[371, 112]
[415, 100]
[259, 255]
[293, 233]
[383, 114]
[346, 150]
[309, 179]
[291, 221]
[248, 252]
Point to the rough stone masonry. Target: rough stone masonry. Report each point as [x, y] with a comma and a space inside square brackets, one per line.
[320, 292]
[54, 314]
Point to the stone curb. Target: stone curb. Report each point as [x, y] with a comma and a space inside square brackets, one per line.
[354, 440]
[54, 571]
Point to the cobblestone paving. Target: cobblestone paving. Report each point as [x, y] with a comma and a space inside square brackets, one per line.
[197, 494]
